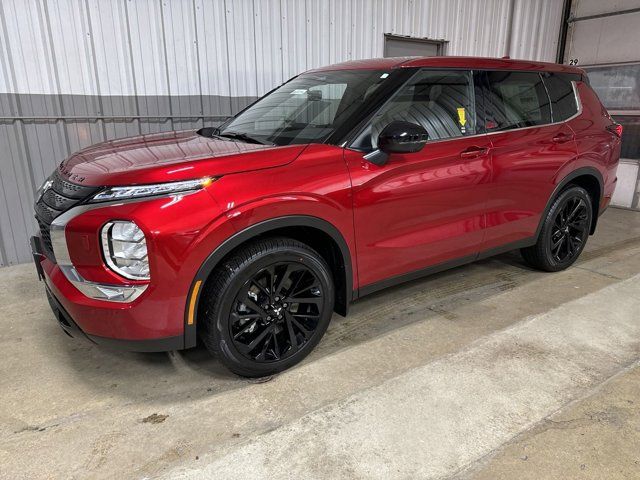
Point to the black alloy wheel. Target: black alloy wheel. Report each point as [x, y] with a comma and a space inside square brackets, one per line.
[564, 233]
[267, 306]
[570, 229]
[276, 312]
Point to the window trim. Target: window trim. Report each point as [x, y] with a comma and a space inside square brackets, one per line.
[546, 89]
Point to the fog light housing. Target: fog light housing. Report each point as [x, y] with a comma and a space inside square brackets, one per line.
[125, 249]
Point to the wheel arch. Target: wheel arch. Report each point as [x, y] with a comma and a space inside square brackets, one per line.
[588, 178]
[313, 231]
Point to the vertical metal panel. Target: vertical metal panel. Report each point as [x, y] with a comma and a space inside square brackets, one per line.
[268, 45]
[16, 171]
[145, 37]
[241, 45]
[113, 65]
[536, 29]
[214, 56]
[294, 42]
[186, 59]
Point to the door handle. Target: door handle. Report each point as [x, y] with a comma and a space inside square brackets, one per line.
[474, 152]
[562, 138]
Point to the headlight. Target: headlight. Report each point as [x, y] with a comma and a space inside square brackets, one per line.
[125, 249]
[137, 191]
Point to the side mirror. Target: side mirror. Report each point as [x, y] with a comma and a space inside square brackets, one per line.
[398, 137]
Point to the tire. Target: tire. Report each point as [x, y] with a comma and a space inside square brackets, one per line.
[267, 306]
[564, 232]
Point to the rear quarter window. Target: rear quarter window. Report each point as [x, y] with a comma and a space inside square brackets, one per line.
[562, 95]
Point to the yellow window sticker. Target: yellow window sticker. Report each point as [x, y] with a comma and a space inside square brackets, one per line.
[462, 116]
[462, 119]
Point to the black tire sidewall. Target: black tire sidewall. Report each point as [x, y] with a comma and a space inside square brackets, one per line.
[230, 355]
[547, 231]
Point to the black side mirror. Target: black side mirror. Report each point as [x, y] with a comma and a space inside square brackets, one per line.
[398, 137]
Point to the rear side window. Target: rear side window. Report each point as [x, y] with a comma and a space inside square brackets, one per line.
[563, 98]
[515, 100]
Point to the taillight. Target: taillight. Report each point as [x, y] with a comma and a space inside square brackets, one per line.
[616, 129]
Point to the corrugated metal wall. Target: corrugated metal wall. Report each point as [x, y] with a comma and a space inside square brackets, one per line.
[76, 72]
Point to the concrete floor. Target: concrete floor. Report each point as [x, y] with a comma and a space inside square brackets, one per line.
[487, 371]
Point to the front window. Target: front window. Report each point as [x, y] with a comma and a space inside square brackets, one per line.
[306, 109]
[441, 101]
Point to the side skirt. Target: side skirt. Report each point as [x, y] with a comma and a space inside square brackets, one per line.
[440, 267]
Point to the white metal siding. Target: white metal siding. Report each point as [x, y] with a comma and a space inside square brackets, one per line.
[241, 47]
[192, 58]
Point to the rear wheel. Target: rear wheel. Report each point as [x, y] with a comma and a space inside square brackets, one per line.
[564, 233]
[267, 306]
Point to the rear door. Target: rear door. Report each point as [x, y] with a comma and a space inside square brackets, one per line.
[421, 209]
[528, 150]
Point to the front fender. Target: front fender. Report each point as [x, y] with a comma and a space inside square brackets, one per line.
[246, 234]
[313, 191]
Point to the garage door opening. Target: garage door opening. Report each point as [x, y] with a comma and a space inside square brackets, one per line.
[401, 46]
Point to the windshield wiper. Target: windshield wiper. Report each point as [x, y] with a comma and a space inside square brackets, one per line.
[243, 137]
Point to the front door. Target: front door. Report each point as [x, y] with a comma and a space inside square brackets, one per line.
[426, 208]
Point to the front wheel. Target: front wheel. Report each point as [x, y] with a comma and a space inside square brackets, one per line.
[564, 232]
[267, 306]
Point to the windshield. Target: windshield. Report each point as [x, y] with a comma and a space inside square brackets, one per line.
[306, 109]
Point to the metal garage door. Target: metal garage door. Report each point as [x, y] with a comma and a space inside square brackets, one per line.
[603, 38]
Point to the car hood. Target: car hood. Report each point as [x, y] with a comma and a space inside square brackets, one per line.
[172, 156]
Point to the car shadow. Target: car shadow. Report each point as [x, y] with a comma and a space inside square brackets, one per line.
[164, 377]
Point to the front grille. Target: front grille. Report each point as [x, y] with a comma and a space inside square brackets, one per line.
[46, 237]
[61, 196]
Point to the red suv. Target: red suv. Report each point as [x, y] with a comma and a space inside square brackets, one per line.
[344, 180]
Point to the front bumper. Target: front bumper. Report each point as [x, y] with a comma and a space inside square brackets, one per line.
[181, 231]
[82, 323]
